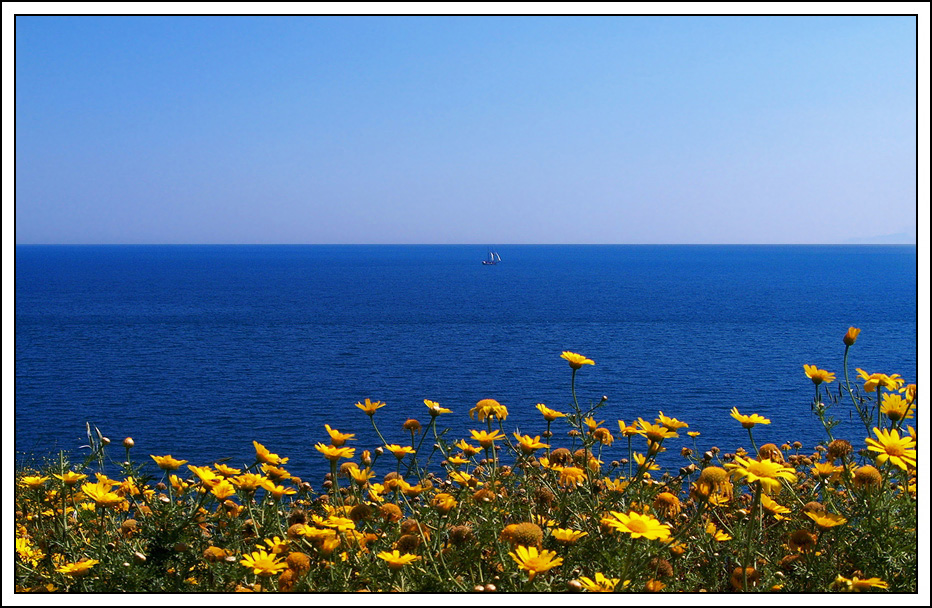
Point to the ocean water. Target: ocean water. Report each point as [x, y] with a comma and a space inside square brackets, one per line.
[197, 351]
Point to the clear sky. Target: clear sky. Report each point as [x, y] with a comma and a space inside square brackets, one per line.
[487, 130]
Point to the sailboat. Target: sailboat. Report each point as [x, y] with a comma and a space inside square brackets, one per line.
[493, 258]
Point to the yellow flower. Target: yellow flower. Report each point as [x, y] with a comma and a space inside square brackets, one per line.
[767, 472]
[528, 445]
[895, 407]
[627, 431]
[571, 476]
[469, 450]
[601, 584]
[361, 476]
[443, 502]
[489, 407]
[100, 493]
[33, 481]
[78, 569]
[263, 564]
[249, 482]
[748, 421]
[369, 407]
[592, 424]
[274, 546]
[332, 453]
[909, 392]
[223, 490]
[533, 561]
[640, 459]
[263, 455]
[872, 381]
[274, 472]
[277, 491]
[549, 414]
[576, 360]
[818, 376]
[858, 584]
[654, 432]
[486, 439]
[567, 536]
[667, 504]
[827, 471]
[71, 478]
[826, 520]
[898, 450]
[435, 409]
[207, 476]
[399, 451]
[693, 434]
[463, 479]
[671, 423]
[772, 507]
[851, 336]
[337, 438]
[716, 533]
[226, 471]
[167, 463]
[396, 560]
[637, 525]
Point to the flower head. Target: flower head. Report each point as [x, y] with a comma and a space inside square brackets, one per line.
[486, 408]
[858, 584]
[265, 456]
[576, 361]
[655, 433]
[567, 536]
[332, 453]
[435, 409]
[895, 407]
[33, 481]
[637, 525]
[571, 476]
[528, 445]
[748, 421]
[549, 414]
[671, 423]
[337, 438]
[826, 520]
[369, 407]
[890, 446]
[399, 451]
[765, 471]
[100, 493]
[396, 560]
[534, 561]
[601, 584]
[818, 376]
[851, 336]
[167, 463]
[263, 564]
[486, 439]
[79, 568]
[872, 381]
[71, 478]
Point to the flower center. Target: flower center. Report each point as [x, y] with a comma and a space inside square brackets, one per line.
[637, 525]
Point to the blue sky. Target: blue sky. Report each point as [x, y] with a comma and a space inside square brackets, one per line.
[465, 130]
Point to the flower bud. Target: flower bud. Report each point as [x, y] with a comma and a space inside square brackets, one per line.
[128, 443]
[851, 336]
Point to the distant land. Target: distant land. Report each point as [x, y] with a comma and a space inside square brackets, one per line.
[900, 238]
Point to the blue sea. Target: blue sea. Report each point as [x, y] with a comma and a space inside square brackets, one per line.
[196, 351]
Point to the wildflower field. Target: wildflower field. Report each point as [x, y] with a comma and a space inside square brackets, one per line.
[497, 511]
